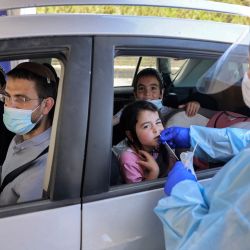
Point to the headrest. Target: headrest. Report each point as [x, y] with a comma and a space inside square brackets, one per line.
[2, 77]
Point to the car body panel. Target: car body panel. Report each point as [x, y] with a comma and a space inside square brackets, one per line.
[55, 229]
[112, 230]
[50, 25]
[115, 231]
[191, 4]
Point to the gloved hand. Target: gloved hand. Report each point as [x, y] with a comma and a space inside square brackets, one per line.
[177, 174]
[176, 137]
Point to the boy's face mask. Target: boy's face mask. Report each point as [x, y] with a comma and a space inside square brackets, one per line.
[157, 103]
[245, 87]
[19, 121]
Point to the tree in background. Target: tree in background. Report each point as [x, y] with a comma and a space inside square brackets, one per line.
[153, 11]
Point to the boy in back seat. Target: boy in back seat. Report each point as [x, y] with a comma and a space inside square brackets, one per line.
[148, 86]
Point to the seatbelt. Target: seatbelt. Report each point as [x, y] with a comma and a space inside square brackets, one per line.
[16, 172]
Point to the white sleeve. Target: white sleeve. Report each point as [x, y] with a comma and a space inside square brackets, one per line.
[219, 143]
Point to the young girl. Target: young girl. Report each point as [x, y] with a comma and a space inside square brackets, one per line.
[143, 158]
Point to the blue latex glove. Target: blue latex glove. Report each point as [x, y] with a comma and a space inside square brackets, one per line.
[177, 174]
[176, 137]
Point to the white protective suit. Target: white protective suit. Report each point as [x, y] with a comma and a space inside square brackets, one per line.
[218, 216]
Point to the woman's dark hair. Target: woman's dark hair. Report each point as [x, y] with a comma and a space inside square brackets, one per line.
[148, 72]
[129, 118]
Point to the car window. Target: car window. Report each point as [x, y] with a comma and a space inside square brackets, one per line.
[126, 66]
[184, 73]
[148, 62]
[55, 66]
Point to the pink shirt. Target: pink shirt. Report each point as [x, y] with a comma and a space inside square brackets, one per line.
[131, 170]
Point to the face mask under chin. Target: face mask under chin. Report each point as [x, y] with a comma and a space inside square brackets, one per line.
[157, 103]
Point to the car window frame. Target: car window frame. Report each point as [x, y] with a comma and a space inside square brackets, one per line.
[64, 189]
[106, 47]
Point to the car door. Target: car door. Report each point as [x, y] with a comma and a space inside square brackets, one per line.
[54, 222]
[119, 217]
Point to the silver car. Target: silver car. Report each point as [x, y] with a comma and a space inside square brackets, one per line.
[96, 58]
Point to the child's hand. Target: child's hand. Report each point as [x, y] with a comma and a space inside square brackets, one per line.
[148, 162]
[191, 108]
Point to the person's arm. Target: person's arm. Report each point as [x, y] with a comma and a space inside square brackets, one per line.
[136, 169]
[29, 185]
[219, 143]
[195, 218]
[131, 170]
[181, 212]
[31, 188]
[183, 207]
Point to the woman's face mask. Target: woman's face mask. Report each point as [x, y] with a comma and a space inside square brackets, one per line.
[245, 86]
[19, 121]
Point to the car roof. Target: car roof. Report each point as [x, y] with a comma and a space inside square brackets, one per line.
[70, 24]
[96, 24]
[183, 4]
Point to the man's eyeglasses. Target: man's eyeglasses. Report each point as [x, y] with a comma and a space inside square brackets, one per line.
[17, 99]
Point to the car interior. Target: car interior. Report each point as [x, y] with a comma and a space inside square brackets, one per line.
[180, 76]
[6, 136]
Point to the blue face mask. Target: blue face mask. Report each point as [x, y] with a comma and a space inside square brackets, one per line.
[19, 121]
[157, 103]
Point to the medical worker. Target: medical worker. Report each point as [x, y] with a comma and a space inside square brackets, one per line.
[217, 215]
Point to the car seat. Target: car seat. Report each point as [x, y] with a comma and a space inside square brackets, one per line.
[115, 175]
[5, 135]
[181, 119]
